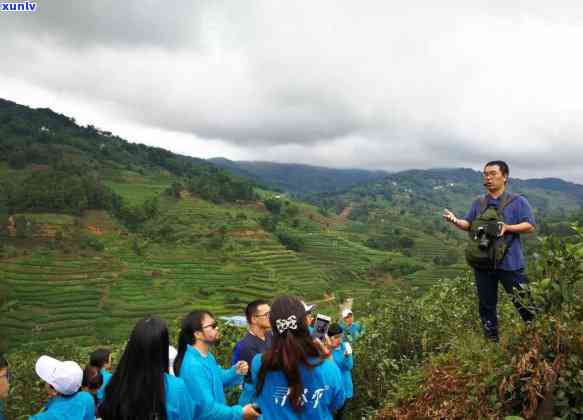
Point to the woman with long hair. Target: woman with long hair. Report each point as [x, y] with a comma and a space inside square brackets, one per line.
[295, 379]
[204, 378]
[141, 388]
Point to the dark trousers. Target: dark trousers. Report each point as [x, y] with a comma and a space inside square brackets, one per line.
[515, 284]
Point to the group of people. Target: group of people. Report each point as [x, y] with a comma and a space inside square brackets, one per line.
[284, 371]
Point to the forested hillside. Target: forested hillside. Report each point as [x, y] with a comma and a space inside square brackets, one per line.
[97, 232]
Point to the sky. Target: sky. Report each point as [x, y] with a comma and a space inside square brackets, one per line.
[370, 84]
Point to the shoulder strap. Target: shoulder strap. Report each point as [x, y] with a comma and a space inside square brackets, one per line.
[483, 200]
[506, 199]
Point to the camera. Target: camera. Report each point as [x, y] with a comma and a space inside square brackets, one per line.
[482, 238]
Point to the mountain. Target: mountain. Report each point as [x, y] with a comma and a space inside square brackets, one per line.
[299, 179]
[96, 232]
[435, 189]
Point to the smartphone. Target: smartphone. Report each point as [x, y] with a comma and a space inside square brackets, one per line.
[321, 326]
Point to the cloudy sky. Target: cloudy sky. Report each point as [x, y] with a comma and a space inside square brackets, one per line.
[369, 84]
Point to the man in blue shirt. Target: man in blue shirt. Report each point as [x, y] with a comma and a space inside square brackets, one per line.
[518, 218]
[256, 341]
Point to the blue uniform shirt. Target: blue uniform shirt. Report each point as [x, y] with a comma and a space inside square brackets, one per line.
[352, 333]
[323, 392]
[345, 363]
[79, 406]
[205, 380]
[101, 391]
[179, 404]
[517, 211]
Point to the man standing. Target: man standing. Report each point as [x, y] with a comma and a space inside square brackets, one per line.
[352, 330]
[517, 218]
[256, 341]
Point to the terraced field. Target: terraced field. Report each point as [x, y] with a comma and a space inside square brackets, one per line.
[97, 296]
[54, 296]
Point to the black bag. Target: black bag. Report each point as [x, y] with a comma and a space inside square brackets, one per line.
[486, 248]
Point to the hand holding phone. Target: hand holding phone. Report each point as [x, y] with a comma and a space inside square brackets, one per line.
[321, 326]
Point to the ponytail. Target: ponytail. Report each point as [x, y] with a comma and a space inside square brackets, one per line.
[191, 323]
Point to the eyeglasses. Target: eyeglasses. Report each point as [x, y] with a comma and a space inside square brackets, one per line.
[262, 315]
[490, 174]
[214, 326]
[8, 376]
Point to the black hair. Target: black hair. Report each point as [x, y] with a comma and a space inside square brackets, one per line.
[191, 323]
[251, 308]
[501, 164]
[99, 358]
[3, 362]
[290, 347]
[92, 377]
[136, 389]
[334, 329]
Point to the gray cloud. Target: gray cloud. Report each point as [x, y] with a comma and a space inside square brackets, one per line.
[374, 84]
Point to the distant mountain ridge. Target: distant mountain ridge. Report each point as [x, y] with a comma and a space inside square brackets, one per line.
[441, 187]
[298, 178]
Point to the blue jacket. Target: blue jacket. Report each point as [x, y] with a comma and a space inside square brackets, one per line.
[101, 391]
[79, 406]
[205, 380]
[323, 392]
[345, 363]
[352, 333]
[179, 404]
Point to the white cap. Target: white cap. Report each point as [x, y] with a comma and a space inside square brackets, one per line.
[346, 312]
[65, 377]
[308, 308]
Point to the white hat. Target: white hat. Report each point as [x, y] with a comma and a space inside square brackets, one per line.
[65, 377]
[308, 308]
[346, 312]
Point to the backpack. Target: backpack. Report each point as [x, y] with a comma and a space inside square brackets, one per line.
[486, 248]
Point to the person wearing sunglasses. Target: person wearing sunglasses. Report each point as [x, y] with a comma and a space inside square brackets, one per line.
[256, 341]
[204, 378]
[4, 384]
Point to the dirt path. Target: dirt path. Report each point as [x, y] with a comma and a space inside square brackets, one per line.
[345, 214]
